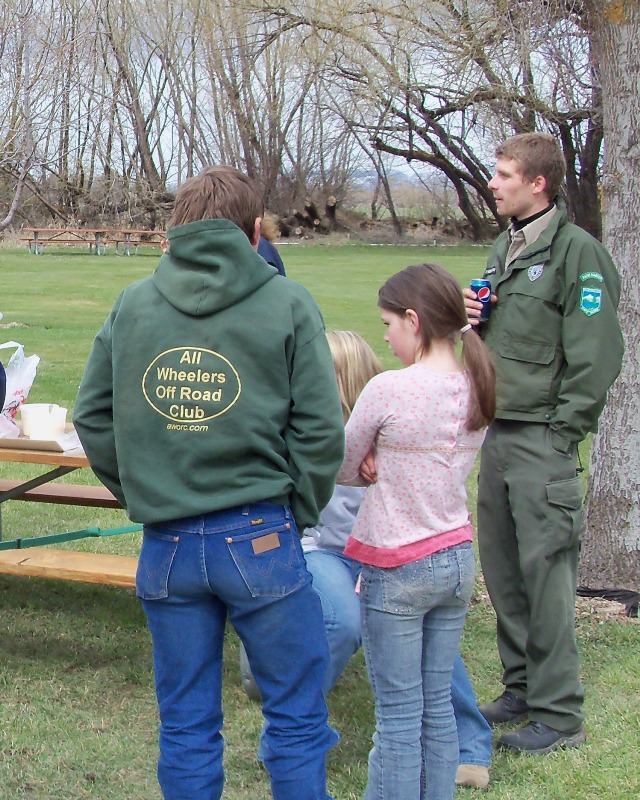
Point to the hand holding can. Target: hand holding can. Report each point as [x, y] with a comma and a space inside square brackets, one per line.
[482, 288]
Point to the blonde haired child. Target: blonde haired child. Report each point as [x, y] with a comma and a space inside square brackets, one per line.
[355, 364]
[334, 574]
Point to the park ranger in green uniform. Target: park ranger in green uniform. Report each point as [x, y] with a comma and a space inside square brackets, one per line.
[557, 345]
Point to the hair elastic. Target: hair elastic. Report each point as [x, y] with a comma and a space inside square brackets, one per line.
[466, 328]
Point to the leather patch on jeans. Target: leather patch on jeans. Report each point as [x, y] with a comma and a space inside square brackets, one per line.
[265, 543]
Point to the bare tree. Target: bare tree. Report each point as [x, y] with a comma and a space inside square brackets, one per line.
[17, 148]
[128, 64]
[129, 98]
[269, 107]
[611, 549]
[436, 82]
[49, 77]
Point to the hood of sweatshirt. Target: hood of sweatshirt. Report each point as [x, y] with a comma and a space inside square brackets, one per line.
[210, 265]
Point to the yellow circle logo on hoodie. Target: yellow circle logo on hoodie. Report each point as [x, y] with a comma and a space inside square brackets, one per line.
[191, 384]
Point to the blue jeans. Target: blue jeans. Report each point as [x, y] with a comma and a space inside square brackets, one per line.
[412, 618]
[245, 562]
[334, 579]
[475, 738]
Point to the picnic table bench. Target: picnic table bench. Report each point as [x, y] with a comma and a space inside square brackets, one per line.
[70, 565]
[78, 494]
[126, 242]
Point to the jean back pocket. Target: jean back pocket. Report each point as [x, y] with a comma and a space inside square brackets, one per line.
[154, 564]
[270, 560]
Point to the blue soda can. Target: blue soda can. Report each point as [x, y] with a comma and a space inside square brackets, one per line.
[483, 289]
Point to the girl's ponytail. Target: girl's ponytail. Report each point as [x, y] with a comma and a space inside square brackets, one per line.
[437, 299]
[477, 361]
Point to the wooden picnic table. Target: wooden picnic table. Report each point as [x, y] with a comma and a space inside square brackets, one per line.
[28, 557]
[125, 240]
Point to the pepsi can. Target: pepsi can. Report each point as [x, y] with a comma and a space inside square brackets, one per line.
[483, 289]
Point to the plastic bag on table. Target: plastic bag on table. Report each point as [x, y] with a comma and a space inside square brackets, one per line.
[8, 428]
[19, 374]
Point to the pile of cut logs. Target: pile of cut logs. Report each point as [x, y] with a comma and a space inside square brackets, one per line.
[309, 220]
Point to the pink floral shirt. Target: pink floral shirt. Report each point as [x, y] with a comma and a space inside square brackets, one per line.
[415, 417]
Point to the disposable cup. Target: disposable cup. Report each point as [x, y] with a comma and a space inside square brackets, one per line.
[43, 420]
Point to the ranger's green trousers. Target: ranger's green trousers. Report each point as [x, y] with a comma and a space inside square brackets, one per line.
[529, 527]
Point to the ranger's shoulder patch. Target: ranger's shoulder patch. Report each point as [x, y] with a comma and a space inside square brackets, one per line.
[594, 276]
[590, 300]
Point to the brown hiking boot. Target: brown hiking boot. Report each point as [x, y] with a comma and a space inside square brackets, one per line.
[474, 775]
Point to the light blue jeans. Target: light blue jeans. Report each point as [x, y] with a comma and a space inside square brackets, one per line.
[246, 563]
[412, 619]
[475, 737]
[334, 579]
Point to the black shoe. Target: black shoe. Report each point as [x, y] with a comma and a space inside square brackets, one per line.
[506, 708]
[536, 738]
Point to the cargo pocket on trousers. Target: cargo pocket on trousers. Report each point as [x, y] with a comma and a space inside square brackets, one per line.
[154, 565]
[270, 561]
[564, 525]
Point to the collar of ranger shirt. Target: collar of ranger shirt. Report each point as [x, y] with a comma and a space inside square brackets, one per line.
[521, 238]
[516, 223]
[532, 230]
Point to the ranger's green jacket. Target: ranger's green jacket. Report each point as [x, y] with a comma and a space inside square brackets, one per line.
[554, 333]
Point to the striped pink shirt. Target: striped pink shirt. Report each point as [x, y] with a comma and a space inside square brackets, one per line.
[415, 417]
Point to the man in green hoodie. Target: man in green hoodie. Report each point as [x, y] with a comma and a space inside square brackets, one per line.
[209, 407]
[557, 346]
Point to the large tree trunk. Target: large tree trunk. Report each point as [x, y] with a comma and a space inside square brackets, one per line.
[611, 550]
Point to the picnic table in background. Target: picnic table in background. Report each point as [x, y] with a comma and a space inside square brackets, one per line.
[125, 241]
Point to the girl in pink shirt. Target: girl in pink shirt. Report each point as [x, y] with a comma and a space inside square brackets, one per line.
[413, 436]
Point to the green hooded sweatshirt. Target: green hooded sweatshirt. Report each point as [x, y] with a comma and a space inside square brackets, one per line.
[211, 385]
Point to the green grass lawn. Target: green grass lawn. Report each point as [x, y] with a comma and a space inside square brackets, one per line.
[77, 710]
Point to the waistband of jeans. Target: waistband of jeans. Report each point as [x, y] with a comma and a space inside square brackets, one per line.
[228, 518]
